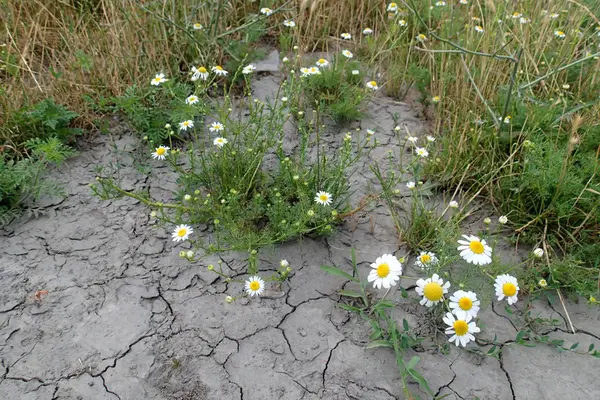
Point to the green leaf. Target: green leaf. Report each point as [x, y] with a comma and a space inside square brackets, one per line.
[403, 292]
[350, 293]
[591, 348]
[413, 362]
[520, 335]
[420, 380]
[349, 308]
[378, 343]
[491, 351]
[405, 324]
[385, 304]
[375, 335]
[336, 271]
[508, 309]
[574, 346]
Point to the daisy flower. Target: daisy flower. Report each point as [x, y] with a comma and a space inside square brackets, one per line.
[524, 20]
[182, 232]
[559, 34]
[507, 286]
[538, 252]
[183, 126]
[304, 71]
[422, 152]
[197, 26]
[192, 100]
[321, 62]
[199, 73]
[266, 11]
[160, 152]
[347, 54]
[216, 127]
[461, 330]
[503, 219]
[289, 23]
[323, 198]
[386, 271]
[314, 71]
[432, 289]
[475, 251]
[355, 72]
[412, 139]
[410, 185]
[425, 259]
[430, 139]
[453, 204]
[367, 31]
[158, 79]
[248, 69]
[220, 142]
[464, 304]
[254, 286]
[372, 85]
[435, 99]
[516, 15]
[440, 4]
[402, 23]
[346, 36]
[392, 7]
[421, 38]
[219, 70]
[478, 28]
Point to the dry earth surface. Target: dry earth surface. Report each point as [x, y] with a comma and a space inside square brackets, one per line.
[125, 318]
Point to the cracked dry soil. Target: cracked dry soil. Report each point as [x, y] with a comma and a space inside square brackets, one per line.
[126, 318]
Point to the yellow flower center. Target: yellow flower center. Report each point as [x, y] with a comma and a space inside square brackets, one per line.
[461, 327]
[433, 291]
[373, 83]
[161, 151]
[254, 286]
[560, 33]
[218, 67]
[219, 140]
[465, 303]
[476, 247]
[324, 197]
[156, 79]
[185, 123]
[421, 36]
[425, 258]
[392, 5]
[181, 232]
[202, 70]
[321, 61]
[509, 289]
[383, 270]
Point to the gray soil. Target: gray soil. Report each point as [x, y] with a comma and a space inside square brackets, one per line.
[126, 318]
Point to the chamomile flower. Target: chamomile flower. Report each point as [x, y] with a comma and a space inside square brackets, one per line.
[553, 16]
[421, 38]
[503, 219]
[183, 126]
[372, 85]
[355, 72]
[182, 232]
[289, 23]
[538, 252]
[346, 36]
[440, 4]
[370, 132]
[323, 198]
[402, 23]
[220, 142]
[321, 62]
[199, 73]
[463, 2]
[464, 304]
[192, 100]
[217, 69]
[430, 139]
[248, 69]
[435, 99]
[524, 20]
[516, 15]
[216, 127]
[197, 26]
[426, 259]
[542, 283]
[560, 34]
[506, 119]
[347, 53]
[266, 11]
[392, 7]
[254, 286]
[462, 330]
[304, 71]
[158, 79]
[367, 31]
[453, 204]
[284, 263]
[421, 151]
[410, 185]
[475, 251]
[479, 29]
[507, 286]
[412, 139]
[314, 71]
[160, 152]
[386, 271]
[432, 289]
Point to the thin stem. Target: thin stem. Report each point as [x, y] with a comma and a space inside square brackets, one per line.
[558, 70]
[492, 114]
[511, 84]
